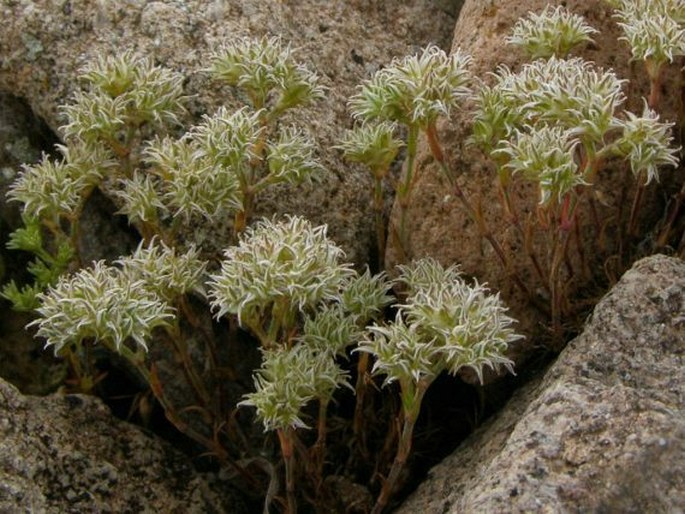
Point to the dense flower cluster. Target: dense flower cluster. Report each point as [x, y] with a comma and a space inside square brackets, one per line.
[654, 29]
[102, 304]
[288, 380]
[51, 189]
[164, 270]
[290, 263]
[266, 70]
[373, 144]
[124, 92]
[553, 32]
[414, 90]
[444, 324]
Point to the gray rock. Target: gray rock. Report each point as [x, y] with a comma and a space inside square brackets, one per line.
[603, 431]
[48, 41]
[68, 454]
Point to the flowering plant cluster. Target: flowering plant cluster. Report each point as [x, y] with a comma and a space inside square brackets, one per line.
[322, 327]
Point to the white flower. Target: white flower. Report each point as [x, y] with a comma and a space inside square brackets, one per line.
[291, 262]
[102, 304]
[414, 90]
[555, 31]
[647, 143]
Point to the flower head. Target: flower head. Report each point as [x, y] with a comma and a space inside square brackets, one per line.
[654, 29]
[191, 181]
[414, 90]
[165, 271]
[331, 329]
[140, 198]
[290, 263]
[445, 324]
[547, 156]
[51, 189]
[287, 380]
[647, 143]
[366, 295]
[266, 70]
[100, 303]
[401, 352]
[569, 93]
[291, 158]
[373, 144]
[555, 31]
[126, 90]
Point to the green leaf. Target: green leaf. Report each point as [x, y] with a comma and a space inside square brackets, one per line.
[24, 300]
[65, 255]
[27, 238]
[45, 275]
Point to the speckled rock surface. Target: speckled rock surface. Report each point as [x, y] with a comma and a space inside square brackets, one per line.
[603, 431]
[46, 42]
[68, 454]
[441, 228]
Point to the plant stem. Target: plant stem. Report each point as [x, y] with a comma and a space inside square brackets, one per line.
[665, 234]
[405, 188]
[566, 221]
[285, 437]
[319, 449]
[635, 208]
[182, 354]
[474, 215]
[655, 74]
[380, 225]
[410, 413]
[360, 393]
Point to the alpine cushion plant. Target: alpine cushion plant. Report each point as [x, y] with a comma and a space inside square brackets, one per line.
[286, 284]
[101, 305]
[445, 324]
[554, 123]
[655, 31]
[118, 138]
[413, 92]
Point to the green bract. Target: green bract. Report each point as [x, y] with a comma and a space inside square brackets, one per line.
[553, 32]
[103, 304]
[277, 269]
[414, 90]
